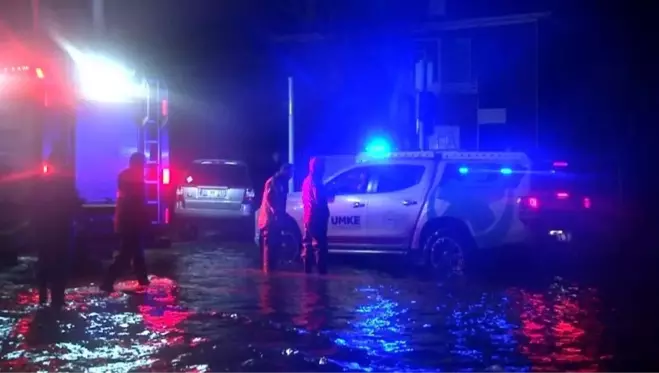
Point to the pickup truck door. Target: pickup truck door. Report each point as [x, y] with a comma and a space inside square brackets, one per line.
[349, 207]
[399, 192]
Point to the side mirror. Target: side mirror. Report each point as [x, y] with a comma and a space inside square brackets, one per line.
[331, 192]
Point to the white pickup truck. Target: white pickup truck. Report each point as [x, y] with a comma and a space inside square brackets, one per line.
[439, 205]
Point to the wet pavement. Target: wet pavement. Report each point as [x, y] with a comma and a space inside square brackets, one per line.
[210, 309]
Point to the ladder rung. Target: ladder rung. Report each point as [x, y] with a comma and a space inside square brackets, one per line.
[151, 182]
[151, 162]
[152, 202]
[151, 141]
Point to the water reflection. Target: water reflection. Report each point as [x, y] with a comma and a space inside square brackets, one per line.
[94, 332]
[561, 328]
[314, 305]
[225, 318]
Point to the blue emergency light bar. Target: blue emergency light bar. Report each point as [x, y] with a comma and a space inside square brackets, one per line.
[508, 157]
[463, 170]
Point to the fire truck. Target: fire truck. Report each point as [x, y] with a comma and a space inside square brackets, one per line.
[53, 94]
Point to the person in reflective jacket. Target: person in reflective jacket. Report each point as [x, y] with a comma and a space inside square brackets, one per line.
[316, 217]
[272, 215]
[52, 220]
[131, 223]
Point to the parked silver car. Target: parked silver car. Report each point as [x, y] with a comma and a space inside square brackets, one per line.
[215, 188]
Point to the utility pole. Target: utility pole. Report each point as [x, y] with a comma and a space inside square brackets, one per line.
[291, 133]
[98, 16]
[35, 6]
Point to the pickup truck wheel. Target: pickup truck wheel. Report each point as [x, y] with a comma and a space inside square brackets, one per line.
[291, 247]
[445, 252]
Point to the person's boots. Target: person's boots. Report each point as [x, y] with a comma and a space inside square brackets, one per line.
[321, 263]
[43, 295]
[308, 264]
[143, 280]
[57, 295]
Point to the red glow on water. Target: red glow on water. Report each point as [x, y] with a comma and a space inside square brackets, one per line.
[162, 320]
[312, 315]
[560, 331]
[159, 311]
[27, 298]
[265, 298]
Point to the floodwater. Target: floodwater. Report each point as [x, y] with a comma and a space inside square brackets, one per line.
[210, 309]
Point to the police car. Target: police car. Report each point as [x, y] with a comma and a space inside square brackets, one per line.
[439, 205]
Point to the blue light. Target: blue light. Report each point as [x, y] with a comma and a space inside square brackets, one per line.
[463, 170]
[378, 147]
[506, 171]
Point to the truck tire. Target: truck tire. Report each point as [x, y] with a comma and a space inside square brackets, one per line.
[446, 251]
[292, 243]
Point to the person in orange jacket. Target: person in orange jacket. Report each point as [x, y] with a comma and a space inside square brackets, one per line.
[272, 215]
[315, 199]
[131, 223]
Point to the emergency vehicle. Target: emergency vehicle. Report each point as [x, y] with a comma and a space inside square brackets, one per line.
[440, 206]
[53, 94]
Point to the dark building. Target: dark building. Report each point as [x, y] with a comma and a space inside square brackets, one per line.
[359, 72]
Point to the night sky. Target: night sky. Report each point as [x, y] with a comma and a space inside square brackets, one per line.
[228, 84]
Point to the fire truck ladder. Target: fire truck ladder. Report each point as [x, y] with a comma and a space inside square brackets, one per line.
[155, 119]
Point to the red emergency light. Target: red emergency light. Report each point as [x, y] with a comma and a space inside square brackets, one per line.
[165, 176]
[164, 108]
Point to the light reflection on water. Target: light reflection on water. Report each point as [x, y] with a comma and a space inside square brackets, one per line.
[214, 319]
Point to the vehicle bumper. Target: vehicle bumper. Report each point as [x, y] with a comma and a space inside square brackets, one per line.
[561, 229]
[245, 212]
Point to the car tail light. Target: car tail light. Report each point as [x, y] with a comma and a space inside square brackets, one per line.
[587, 203]
[530, 202]
[249, 195]
[533, 202]
[165, 176]
[562, 195]
[45, 168]
[166, 215]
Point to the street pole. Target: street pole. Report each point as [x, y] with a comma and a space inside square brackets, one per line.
[478, 124]
[420, 107]
[35, 14]
[291, 137]
[537, 83]
[98, 16]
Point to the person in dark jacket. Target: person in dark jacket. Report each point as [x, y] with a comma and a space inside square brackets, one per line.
[52, 221]
[130, 222]
[13, 218]
[315, 200]
[272, 215]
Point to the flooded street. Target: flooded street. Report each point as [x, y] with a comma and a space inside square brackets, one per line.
[209, 308]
